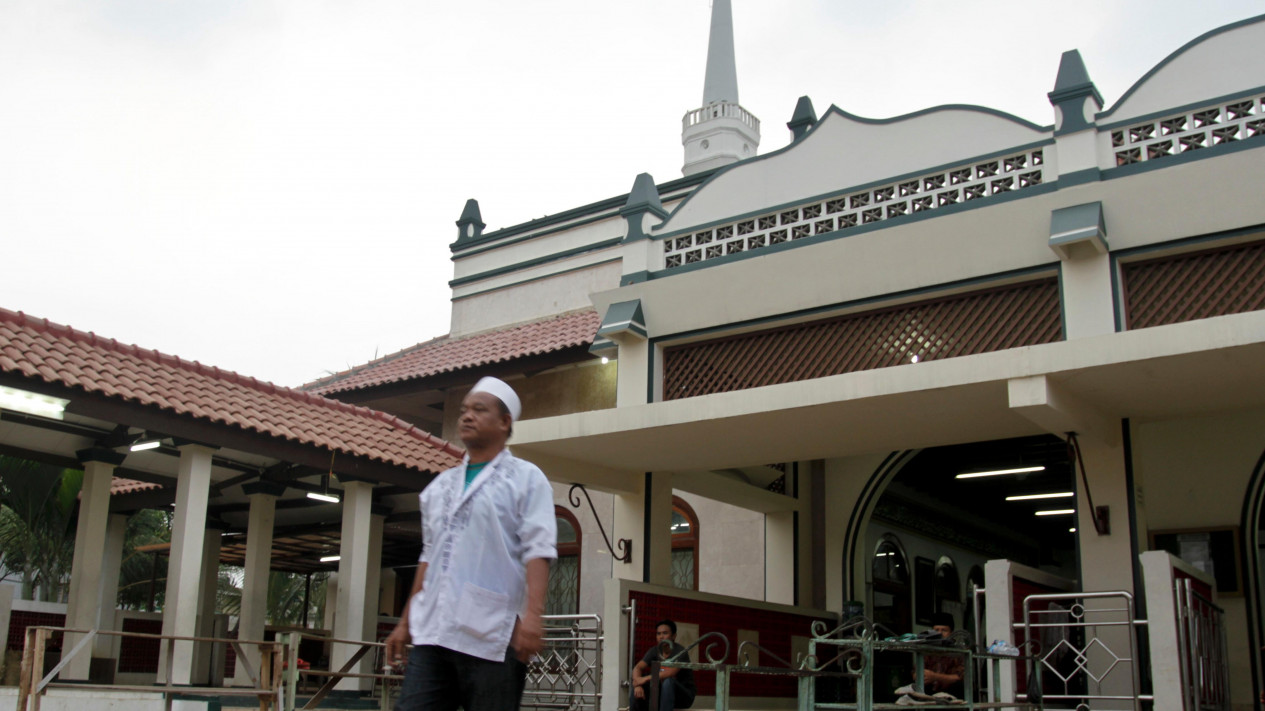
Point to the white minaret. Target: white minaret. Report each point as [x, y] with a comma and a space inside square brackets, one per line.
[721, 132]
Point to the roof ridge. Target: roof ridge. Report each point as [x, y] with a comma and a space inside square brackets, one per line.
[342, 374]
[66, 331]
[524, 324]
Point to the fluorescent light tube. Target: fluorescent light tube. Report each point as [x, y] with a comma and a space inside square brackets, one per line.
[329, 498]
[32, 403]
[330, 558]
[999, 472]
[1030, 497]
[142, 446]
[1056, 512]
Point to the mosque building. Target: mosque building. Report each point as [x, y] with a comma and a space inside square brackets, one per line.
[951, 362]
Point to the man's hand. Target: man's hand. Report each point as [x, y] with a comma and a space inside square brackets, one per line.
[639, 692]
[528, 638]
[397, 642]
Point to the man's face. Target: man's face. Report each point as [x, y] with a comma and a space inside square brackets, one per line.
[663, 633]
[481, 423]
[944, 630]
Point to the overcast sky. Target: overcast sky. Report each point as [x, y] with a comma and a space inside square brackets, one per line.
[270, 186]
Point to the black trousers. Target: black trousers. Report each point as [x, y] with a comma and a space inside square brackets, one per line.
[440, 679]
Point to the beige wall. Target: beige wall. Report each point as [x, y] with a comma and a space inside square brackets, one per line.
[579, 388]
[730, 548]
[1194, 473]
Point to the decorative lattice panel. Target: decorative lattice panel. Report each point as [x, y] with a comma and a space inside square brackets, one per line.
[1185, 287]
[965, 183]
[1189, 131]
[978, 322]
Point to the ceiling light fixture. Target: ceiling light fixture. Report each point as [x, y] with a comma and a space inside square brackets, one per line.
[330, 558]
[1071, 530]
[1056, 512]
[32, 403]
[1030, 497]
[147, 444]
[1000, 472]
[323, 494]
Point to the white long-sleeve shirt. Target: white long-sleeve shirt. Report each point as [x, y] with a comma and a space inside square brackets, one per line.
[476, 544]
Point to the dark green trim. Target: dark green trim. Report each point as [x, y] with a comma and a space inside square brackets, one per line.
[556, 256]
[858, 188]
[646, 529]
[1079, 177]
[611, 205]
[1062, 304]
[1164, 113]
[1181, 50]
[635, 278]
[535, 279]
[1042, 271]
[1217, 151]
[1249, 564]
[1117, 299]
[853, 231]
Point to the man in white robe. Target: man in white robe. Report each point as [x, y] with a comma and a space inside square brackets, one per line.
[488, 534]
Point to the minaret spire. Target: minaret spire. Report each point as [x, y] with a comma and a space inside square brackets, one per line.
[720, 132]
[721, 82]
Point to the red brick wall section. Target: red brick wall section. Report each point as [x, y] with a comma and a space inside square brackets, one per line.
[19, 620]
[775, 629]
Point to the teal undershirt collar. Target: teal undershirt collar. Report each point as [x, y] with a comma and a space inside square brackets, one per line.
[472, 471]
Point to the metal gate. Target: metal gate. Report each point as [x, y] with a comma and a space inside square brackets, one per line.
[567, 674]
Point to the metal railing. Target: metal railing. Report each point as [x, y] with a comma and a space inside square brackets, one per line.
[567, 674]
[34, 683]
[1202, 647]
[1071, 642]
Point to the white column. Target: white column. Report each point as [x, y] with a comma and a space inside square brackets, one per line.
[1088, 309]
[632, 378]
[353, 575]
[373, 594]
[83, 611]
[205, 626]
[649, 527]
[184, 570]
[259, 527]
[115, 536]
[779, 557]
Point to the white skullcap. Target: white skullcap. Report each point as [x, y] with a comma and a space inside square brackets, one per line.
[501, 391]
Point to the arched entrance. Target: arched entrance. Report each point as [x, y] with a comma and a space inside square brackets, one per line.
[951, 509]
[1253, 552]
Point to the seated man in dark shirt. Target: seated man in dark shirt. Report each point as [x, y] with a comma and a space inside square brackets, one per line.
[676, 686]
[943, 672]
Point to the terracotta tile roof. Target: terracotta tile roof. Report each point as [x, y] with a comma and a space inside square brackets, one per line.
[445, 355]
[119, 485]
[38, 348]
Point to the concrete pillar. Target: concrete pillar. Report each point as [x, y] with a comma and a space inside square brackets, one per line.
[205, 625]
[779, 557]
[633, 377]
[646, 518]
[331, 602]
[1088, 309]
[184, 570]
[108, 619]
[811, 490]
[354, 567]
[259, 526]
[373, 594]
[83, 611]
[1107, 560]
